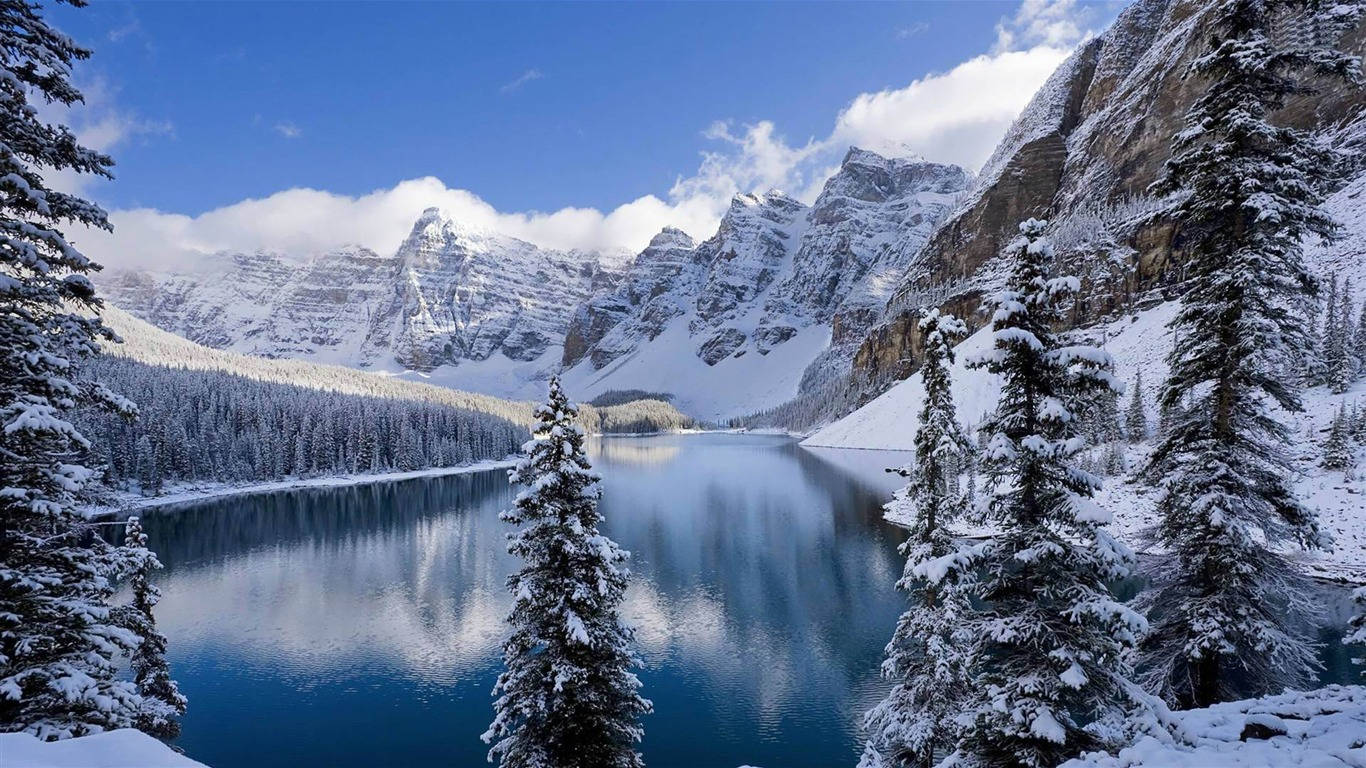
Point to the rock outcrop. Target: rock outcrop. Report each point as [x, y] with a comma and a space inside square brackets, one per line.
[1096, 135]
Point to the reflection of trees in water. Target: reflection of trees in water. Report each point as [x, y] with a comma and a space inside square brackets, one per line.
[212, 530]
[764, 578]
[770, 568]
[650, 452]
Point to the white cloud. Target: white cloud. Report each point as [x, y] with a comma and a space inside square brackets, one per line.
[1052, 23]
[521, 80]
[302, 222]
[288, 129]
[954, 116]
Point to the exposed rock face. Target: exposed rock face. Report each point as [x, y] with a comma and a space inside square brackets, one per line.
[449, 294]
[649, 295]
[870, 219]
[466, 294]
[775, 266]
[1096, 134]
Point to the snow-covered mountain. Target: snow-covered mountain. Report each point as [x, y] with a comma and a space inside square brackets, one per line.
[478, 310]
[781, 293]
[463, 306]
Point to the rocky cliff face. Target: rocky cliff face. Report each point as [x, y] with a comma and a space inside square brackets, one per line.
[1095, 136]
[776, 267]
[450, 295]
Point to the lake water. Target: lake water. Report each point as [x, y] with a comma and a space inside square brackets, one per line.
[361, 626]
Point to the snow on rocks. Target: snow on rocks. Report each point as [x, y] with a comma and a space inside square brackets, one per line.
[1325, 728]
[1137, 344]
[123, 748]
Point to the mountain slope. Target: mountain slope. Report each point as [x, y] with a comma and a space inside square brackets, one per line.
[483, 310]
[776, 298]
[146, 344]
[1082, 155]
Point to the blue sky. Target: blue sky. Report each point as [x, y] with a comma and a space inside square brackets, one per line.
[532, 107]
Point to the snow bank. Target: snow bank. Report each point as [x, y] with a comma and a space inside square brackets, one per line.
[888, 423]
[732, 387]
[124, 748]
[1325, 728]
[127, 500]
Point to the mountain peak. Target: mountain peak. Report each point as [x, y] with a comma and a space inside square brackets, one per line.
[671, 237]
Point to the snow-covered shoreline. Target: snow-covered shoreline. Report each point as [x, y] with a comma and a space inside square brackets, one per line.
[127, 501]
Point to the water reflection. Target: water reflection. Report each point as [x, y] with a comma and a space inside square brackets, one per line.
[360, 626]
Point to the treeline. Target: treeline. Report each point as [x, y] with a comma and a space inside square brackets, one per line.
[635, 417]
[204, 425]
[623, 396]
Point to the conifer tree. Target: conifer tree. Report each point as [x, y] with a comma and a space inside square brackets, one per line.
[567, 697]
[1344, 362]
[925, 658]
[1227, 607]
[162, 702]
[1332, 338]
[1337, 449]
[1050, 656]
[58, 646]
[1135, 417]
[1312, 362]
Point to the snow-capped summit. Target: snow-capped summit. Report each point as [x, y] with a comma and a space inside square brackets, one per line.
[451, 295]
[476, 309]
[757, 302]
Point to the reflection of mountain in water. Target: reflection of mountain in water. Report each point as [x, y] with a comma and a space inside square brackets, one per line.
[763, 595]
[213, 529]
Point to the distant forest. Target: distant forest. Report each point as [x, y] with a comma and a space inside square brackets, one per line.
[217, 426]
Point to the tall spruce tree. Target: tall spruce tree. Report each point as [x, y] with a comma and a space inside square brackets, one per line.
[1337, 449]
[1136, 416]
[162, 702]
[1344, 363]
[1332, 337]
[567, 697]
[925, 658]
[58, 647]
[1052, 642]
[1227, 607]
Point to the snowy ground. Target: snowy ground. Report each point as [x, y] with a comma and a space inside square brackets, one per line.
[180, 494]
[124, 748]
[1325, 728]
[1138, 344]
[733, 387]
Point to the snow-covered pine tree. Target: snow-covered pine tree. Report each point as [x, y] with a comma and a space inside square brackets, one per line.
[1102, 418]
[57, 643]
[162, 702]
[1227, 609]
[1051, 641]
[1313, 368]
[567, 697]
[1332, 338]
[1337, 449]
[1343, 370]
[925, 658]
[1136, 417]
